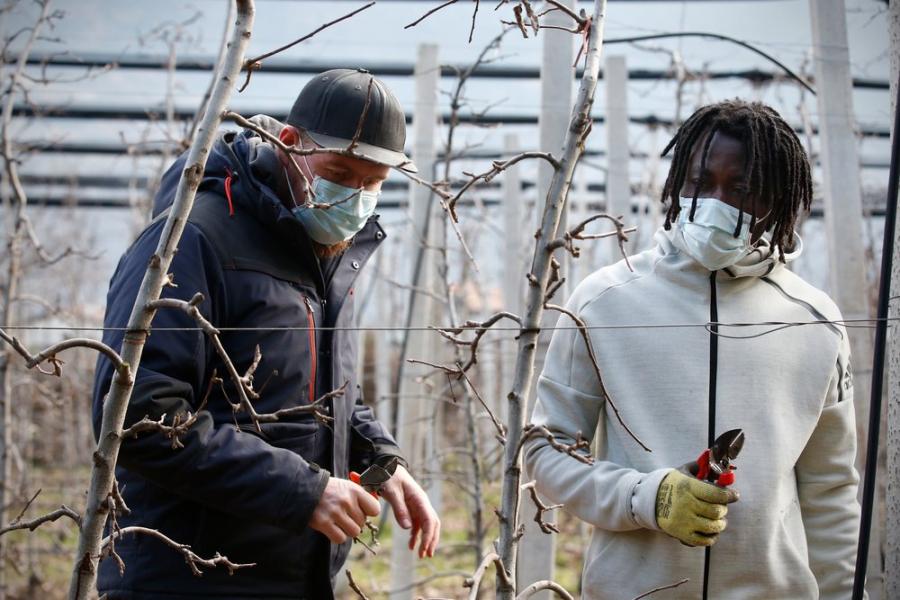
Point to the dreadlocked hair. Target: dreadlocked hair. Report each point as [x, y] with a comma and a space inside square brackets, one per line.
[777, 167]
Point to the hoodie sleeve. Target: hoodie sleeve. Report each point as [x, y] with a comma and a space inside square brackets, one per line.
[604, 494]
[827, 482]
[218, 465]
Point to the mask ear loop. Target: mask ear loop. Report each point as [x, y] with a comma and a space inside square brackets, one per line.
[290, 188]
[757, 243]
[706, 144]
[740, 221]
[753, 219]
[310, 192]
[305, 161]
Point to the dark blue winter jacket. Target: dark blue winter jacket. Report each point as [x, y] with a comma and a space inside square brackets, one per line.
[231, 489]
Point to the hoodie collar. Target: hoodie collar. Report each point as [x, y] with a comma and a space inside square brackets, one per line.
[761, 261]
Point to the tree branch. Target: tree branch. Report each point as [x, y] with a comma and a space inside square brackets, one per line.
[429, 13]
[255, 64]
[194, 561]
[577, 233]
[542, 585]
[582, 329]
[574, 449]
[474, 582]
[581, 19]
[545, 526]
[500, 427]
[452, 333]
[84, 572]
[362, 117]
[244, 383]
[62, 511]
[497, 167]
[181, 423]
[665, 587]
[353, 585]
[49, 354]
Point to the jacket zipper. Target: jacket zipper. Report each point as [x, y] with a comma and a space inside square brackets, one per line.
[311, 322]
[713, 368]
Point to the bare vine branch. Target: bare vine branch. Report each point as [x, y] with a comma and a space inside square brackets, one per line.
[575, 449]
[500, 427]
[97, 513]
[193, 560]
[244, 383]
[582, 329]
[362, 117]
[474, 582]
[545, 584]
[62, 511]
[354, 586]
[542, 508]
[497, 167]
[181, 423]
[664, 587]
[49, 354]
[430, 12]
[255, 64]
[452, 334]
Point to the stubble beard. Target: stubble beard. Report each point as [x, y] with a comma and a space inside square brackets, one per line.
[332, 250]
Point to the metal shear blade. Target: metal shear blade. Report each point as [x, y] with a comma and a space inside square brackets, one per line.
[727, 446]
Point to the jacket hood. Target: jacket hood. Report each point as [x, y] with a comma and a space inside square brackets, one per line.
[244, 155]
[763, 260]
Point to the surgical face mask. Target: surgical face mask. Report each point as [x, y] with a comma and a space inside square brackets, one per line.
[709, 238]
[346, 214]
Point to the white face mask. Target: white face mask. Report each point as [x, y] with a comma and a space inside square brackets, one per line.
[709, 238]
[349, 209]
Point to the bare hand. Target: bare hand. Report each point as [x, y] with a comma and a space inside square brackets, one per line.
[413, 511]
[342, 510]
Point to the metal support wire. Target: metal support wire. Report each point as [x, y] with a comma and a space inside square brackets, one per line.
[862, 552]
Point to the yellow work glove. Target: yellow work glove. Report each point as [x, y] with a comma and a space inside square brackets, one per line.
[691, 510]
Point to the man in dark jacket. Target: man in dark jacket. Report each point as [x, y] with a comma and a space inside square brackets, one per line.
[276, 270]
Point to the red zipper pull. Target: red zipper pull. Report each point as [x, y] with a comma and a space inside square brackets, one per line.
[311, 323]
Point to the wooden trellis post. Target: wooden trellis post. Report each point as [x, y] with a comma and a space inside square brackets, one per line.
[618, 181]
[892, 498]
[513, 273]
[843, 212]
[538, 549]
[412, 394]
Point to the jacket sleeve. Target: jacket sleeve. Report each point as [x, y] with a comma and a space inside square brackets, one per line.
[370, 439]
[218, 465]
[827, 485]
[604, 494]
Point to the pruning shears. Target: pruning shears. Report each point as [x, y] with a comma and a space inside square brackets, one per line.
[715, 463]
[376, 475]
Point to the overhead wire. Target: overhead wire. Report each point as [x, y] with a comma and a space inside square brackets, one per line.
[776, 325]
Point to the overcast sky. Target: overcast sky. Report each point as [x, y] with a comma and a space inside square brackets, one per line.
[782, 28]
[114, 29]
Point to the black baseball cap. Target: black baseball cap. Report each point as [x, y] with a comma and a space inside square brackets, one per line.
[329, 108]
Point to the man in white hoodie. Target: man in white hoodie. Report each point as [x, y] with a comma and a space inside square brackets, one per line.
[739, 179]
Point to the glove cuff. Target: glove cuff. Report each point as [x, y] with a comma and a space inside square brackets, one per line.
[643, 498]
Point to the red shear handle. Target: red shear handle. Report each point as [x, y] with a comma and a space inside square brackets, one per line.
[703, 465]
[355, 478]
[724, 480]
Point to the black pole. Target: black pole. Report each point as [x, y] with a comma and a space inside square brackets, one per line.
[884, 289]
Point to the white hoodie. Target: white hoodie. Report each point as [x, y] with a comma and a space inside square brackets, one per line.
[793, 534]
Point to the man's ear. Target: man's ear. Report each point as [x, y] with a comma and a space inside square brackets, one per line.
[289, 135]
